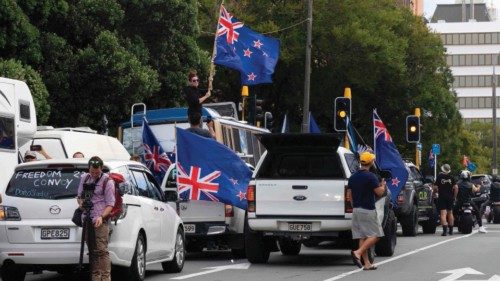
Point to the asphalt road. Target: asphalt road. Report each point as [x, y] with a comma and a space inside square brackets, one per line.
[426, 257]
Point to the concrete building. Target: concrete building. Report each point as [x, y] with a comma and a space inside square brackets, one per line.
[473, 49]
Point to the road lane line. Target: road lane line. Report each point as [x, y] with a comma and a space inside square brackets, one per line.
[400, 256]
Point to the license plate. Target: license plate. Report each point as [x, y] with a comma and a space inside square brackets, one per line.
[189, 228]
[299, 227]
[55, 233]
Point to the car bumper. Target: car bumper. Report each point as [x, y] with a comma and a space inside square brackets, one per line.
[60, 254]
[281, 225]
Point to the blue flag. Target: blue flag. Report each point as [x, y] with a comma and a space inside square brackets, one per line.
[313, 127]
[431, 159]
[154, 156]
[388, 157]
[208, 170]
[238, 47]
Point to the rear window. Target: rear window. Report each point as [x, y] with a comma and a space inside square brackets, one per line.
[303, 166]
[45, 183]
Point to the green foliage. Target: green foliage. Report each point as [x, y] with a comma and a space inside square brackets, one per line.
[15, 70]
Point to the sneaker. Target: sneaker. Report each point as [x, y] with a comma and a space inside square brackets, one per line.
[482, 229]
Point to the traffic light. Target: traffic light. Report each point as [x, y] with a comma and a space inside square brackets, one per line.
[342, 111]
[412, 128]
[259, 112]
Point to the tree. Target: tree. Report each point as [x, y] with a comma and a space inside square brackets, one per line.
[15, 70]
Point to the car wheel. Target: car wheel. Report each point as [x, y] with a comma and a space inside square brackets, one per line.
[11, 272]
[496, 214]
[429, 226]
[386, 245]
[255, 247]
[289, 247]
[177, 263]
[137, 269]
[467, 223]
[410, 225]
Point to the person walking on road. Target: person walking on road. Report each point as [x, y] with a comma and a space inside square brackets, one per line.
[447, 190]
[193, 94]
[362, 188]
[466, 190]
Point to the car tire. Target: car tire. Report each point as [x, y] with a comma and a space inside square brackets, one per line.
[177, 263]
[466, 223]
[289, 247]
[496, 214]
[255, 246]
[11, 272]
[386, 245]
[137, 269]
[410, 224]
[429, 226]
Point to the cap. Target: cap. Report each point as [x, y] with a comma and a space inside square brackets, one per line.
[366, 158]
[465, 174]
[30, 153]
[445, 168]
[95, 162]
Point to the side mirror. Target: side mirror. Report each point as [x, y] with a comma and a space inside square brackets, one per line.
[170, 183]
[124, 188]
[171, 195]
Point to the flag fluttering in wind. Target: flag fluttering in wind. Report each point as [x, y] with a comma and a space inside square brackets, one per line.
[313, 126]
[208, 170]
[388, 157]
[239, 47]
[154, 157]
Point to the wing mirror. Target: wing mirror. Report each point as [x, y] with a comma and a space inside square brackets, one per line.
[171, 195]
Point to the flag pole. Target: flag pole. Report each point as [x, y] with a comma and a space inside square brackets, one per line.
[214, 52]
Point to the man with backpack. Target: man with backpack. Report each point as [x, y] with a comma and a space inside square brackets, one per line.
[103, 201]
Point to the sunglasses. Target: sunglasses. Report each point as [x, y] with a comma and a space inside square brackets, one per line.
[95, 163]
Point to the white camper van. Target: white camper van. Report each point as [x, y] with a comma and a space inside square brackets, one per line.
[17, 124]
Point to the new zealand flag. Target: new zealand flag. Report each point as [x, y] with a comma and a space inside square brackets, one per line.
[238, 47]
[388, 157]
[208, 170]
[154, 156]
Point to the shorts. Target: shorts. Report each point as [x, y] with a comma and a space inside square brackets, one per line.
[445, 204]
[365, 224]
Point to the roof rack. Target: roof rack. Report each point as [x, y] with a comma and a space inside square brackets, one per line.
[70, 129]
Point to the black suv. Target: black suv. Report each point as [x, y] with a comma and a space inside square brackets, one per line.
[415, 204]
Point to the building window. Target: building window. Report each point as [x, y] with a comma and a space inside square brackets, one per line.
[481, 38]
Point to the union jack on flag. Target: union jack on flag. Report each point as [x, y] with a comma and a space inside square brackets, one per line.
[192, 186]
[380, 128]
[226, 26]
[156, 160]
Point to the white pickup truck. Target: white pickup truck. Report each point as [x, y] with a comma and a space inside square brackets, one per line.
[207, 224]
[298, 196]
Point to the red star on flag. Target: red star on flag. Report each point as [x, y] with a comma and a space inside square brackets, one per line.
[251, 77]
[395, 181]
[247, 52]
[257, 44]
[242, 195]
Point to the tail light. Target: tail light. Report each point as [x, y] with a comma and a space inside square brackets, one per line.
[347, 200]
[228, 211]
[251, 198]
[8, 213]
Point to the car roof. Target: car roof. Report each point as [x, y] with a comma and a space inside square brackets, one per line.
[77, 162]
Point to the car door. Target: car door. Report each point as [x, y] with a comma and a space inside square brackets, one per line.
[151, 219]
[167, 218]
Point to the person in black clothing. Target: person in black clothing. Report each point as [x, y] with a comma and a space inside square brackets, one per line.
[447, 192]
[195, 126]
[193, 94]
[494, 193]
[466, 190]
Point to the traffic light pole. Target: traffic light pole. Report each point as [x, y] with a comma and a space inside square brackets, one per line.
[417, 151]
[307, 78]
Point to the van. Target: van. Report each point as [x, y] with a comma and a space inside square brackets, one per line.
[17, 124]
[60, 143]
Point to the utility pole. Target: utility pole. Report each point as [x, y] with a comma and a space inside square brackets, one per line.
[494, 169]
[307, 78]
[418, 145]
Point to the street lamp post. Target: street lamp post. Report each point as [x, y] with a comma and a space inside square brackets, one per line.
[494, 169]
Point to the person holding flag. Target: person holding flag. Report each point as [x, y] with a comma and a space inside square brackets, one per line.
[193, 94]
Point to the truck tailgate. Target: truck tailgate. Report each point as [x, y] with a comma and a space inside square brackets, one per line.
[201, 211]
[300, 197]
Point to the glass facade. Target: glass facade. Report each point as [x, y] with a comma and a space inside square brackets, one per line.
[468, 81]
[471, 60]
[475, 102]
[470, 38]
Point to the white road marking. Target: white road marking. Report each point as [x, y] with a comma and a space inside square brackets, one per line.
[214, 269]
[400, 256]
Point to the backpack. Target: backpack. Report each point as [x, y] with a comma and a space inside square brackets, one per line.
[118, 207]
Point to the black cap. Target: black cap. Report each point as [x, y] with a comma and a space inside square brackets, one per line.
[95, 162]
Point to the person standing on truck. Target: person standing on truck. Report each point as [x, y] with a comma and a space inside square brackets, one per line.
[447, 190]
[363, 186]
[193, 94]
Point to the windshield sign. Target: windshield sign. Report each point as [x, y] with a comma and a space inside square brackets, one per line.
[45, 184]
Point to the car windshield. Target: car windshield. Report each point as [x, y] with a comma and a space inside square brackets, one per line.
[45, 183]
